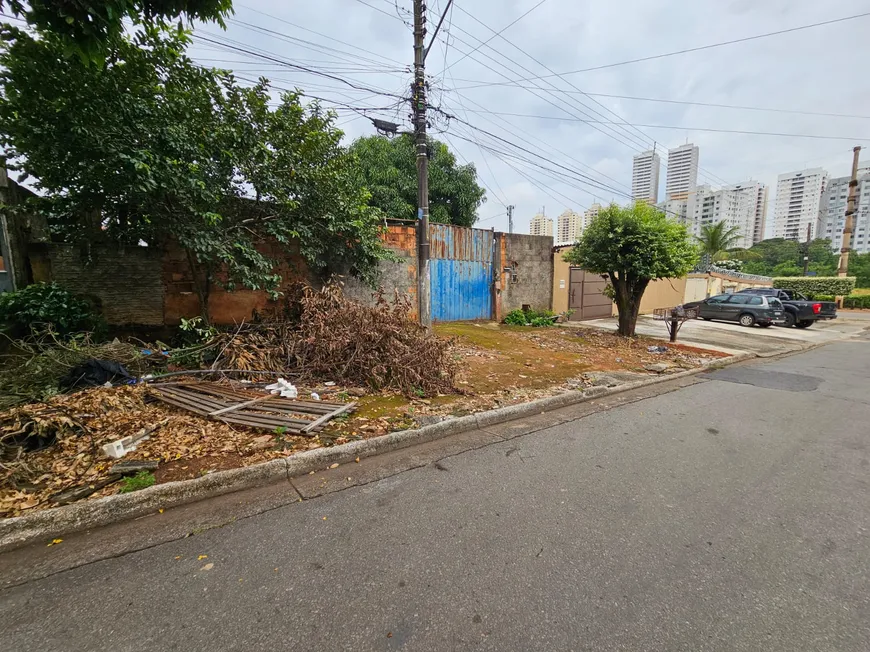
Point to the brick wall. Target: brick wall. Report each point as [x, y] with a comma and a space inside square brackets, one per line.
[530, 257]
[126, 282]
[182, 298]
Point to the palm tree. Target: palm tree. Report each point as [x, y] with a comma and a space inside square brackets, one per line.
[717, 237]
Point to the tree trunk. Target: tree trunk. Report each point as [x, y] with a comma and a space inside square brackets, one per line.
[201, 291]
[627, 296]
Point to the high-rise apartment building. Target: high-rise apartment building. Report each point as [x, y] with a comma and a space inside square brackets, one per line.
[798, 203]
[681, 211]
[541, 225]
[760, 214]
[645, 177]
[590, 214]
[832, 218]
[682, 172]
[569, 226]
[739, 205]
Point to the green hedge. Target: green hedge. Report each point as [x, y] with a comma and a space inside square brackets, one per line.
[857, 301]
[821, 297]
[815, 285]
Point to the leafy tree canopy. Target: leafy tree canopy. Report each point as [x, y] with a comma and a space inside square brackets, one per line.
[151, 145]
[86, 27]
[633, 246]
[779, 257]
[389, 169]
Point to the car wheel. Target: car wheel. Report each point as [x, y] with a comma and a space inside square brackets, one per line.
[746, 319]
[789, 320]
[804, 323]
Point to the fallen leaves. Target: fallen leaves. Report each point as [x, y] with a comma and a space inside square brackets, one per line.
[54, 542]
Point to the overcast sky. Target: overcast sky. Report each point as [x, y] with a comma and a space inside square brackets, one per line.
[820, 70]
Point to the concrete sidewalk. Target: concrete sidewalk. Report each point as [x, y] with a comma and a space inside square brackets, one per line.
[733, 338]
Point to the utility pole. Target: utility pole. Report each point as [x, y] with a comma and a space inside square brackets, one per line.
[510, 213]
[418, 93]
[850, 212]
[807, 250]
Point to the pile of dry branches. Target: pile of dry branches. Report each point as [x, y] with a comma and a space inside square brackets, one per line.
[337, 339]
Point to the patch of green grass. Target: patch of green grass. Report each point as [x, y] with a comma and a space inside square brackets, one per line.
[141, 480]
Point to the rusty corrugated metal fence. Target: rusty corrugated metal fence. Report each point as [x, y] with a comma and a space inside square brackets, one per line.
[461, 272]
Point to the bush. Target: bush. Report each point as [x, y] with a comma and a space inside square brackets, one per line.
[47, 306]
[815, 285]
[857, 301]
[538, 318]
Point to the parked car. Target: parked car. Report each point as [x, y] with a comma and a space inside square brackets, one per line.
[799, 311]
[745, 309]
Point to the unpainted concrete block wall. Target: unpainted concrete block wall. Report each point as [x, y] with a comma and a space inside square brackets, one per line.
[531, 283]
[395, 277]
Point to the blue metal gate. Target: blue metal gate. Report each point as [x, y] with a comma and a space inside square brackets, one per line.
[461, 272]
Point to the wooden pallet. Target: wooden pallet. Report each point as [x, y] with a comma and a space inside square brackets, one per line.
[255, 410]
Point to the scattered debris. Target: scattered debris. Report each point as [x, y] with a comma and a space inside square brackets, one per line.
[283, 387]
[96, 373]
[657, 349]
[264, 411]
[133, 466]
[119, 448]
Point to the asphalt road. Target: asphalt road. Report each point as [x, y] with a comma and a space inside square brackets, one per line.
[732, 514]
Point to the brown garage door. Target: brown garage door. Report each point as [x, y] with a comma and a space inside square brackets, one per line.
[586, 296]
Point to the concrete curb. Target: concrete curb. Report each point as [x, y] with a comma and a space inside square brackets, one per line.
[50, 523]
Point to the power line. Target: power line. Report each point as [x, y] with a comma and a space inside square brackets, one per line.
[684, 128]
[288, 64]
[503, 29]
[611, 134]
[643, 136]
[287, 22]
[539, 142]
[696, 49]
[666, 101]
[612, 112]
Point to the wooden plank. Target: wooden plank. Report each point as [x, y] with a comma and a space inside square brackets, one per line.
[238, 406]
[327, 417]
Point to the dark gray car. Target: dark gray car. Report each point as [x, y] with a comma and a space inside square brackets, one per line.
[746, 309]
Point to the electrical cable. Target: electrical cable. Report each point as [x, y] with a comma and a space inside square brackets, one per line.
[695, 49]
[499, 33]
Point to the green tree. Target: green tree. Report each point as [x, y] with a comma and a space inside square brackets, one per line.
[859, 267]
[152, 146]
[85, 27]
[633, 246]
[389, 169]
[717, 238]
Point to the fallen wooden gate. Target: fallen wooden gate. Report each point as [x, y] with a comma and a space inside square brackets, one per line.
[267, 411]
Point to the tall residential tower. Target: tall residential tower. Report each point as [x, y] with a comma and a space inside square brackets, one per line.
[798, 203]
[645, 177]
